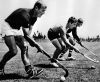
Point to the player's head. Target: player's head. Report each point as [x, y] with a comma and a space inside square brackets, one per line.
[72, 22]
[79, 22]
[39, 8]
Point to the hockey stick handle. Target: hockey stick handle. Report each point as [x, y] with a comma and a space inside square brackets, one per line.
[89, 50]
[96, 61]
[60, 65]
[86, 48]
[44, 52]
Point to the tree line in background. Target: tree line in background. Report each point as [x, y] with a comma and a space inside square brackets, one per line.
[91, 39]
[40, 36]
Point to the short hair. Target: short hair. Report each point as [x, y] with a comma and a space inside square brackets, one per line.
[80, 20]
[72, 20]
[40, 4]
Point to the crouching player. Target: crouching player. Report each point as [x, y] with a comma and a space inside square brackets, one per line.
[57, 36]
[73, 30]
[71, 27]
[25, 18]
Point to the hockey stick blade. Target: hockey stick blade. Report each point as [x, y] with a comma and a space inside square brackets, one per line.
[93, 60]
[87, 49]
[58, 63]
[92, 67]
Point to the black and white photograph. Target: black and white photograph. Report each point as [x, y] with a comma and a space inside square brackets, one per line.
[49, 40]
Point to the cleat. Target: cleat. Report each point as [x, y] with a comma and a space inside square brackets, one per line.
[32, 73]
[35, 73]
[70, 58]
[54, 64]
[61, 59]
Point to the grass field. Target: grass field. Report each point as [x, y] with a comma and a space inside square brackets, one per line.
[15, 72]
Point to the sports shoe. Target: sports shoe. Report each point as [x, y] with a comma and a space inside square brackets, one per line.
[35, 73]
[32, 72]
[54, 64]
[70, 58]
[62, 59]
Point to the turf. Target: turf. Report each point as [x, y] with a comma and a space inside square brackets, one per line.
[78, 69]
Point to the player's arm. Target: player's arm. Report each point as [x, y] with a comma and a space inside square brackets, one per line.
[27, 23]
[74, 33]
[31, 41]
[65, 40]
[68, 44]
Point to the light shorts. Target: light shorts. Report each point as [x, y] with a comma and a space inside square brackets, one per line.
[6, 30]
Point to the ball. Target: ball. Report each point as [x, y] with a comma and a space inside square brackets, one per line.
[62, 78]
[92, 67]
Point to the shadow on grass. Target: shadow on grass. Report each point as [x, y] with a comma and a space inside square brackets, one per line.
[14, 76]
[44, 65]
[74, 67]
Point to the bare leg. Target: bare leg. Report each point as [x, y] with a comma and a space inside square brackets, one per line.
[10, 42]
[25, 58]
[24, 50]
[64, 48]
[56, 43]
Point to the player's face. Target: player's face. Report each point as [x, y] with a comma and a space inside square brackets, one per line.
[79, 24]
[41, 11]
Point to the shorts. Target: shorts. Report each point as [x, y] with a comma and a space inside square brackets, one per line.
[6, 30]
[52, 35]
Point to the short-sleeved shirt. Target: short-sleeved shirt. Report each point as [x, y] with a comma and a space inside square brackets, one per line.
[55, 32]
[20, 17]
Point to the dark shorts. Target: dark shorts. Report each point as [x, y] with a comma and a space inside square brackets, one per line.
[52, 35]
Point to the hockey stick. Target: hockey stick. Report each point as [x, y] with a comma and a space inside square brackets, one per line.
[59, 64]
[88, 50]
[94, 60]
[33, 43]
[92, 67]
[85, 55]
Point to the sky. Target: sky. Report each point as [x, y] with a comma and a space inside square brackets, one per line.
[58, 12]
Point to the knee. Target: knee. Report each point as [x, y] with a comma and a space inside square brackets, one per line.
[14, 52]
